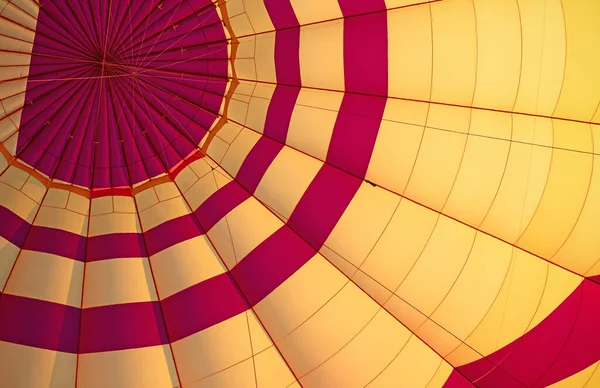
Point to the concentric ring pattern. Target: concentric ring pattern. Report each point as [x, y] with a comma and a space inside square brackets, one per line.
[300, 193]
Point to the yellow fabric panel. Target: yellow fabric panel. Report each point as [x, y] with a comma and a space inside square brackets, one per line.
[47, 277]
[3, 162]
[454, 52]
[217, 149]
[313, 120]
[524, 179]
[476, 288]
[220, 238]
[14, 177]
[123, 204]
[114, 223]
[478, 179]
[185, 264]
[498, 53]
[52, 369]
[415, 366]
[102, 205]
[580, 94]
[166, 191]
[240, 375]
[241, 24]
[405, 237]
[371, 351]
[439, 265]
[410, 53]
[271, 370]
[132, 368]
[185, 179]
[118, 281]
[17, 202]
[437, 337]
[264, 57]
[34, 189]
[205, 187]
[247, 236]
[212, 350]
[145, 199]
[543, 56]
[256, 13]
[437, 165]
[286, 180]
[589, 377]
[8, 254]
[561, 203]
[394, 154]
[373, 288]
[62, 219]
[328, 330]
[257, 109]
[311, 11]
[363, 222]
[245, 66]
[299, 297]
[322, 55]
[239, 150]
[441, 376]
[163, 212]
[559, 285]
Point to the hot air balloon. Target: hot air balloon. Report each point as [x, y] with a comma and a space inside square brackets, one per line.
[299, 193]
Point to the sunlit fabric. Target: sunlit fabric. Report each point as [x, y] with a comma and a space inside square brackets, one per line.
[299, 193]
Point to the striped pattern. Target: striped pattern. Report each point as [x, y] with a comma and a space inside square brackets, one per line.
[369, 193]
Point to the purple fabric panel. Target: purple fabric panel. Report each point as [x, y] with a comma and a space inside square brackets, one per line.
[366, 53]
[356, 7]
[355, 133]
[38, 323]
[12, 227]
[57, 242]
[219, 204]
[257, 162]
[564, 343]
[287, 41]
[322, 205]
[456, 380]
[117, 245]
[170, 233]
[279, 113]
[121, 326]
[201, 306]
[281, 13]
[98, 132]
[271, 263]
[287, 58]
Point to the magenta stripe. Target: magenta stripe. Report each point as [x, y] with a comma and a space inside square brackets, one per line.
[257, 162]
[57, 242]
[121, 326]
[201, 306]
[170, 233]
[38, 323]
[12, 227]
[323, 204]
[564, 343]
[280, 112]
[287, 58]
[219, 204]
[355, 133]
[365, 52]
[117, 245]
[271, 263]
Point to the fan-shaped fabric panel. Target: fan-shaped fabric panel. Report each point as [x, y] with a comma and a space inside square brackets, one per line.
[299, 193]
